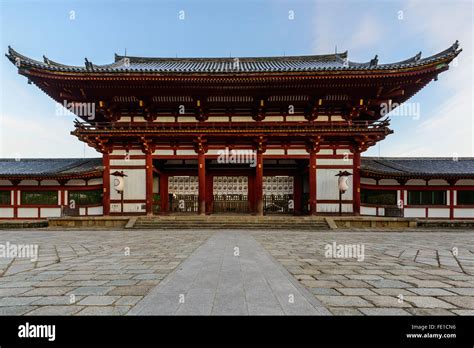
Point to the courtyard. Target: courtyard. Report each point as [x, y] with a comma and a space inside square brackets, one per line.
[238, 272]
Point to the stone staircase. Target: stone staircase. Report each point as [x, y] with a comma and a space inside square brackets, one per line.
[230, 222]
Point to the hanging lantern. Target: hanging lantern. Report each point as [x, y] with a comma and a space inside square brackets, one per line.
[119, 184]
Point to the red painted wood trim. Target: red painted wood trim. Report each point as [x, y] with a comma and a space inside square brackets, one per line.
[128, 167]
[202, 183]
[312, 184]
[149, 184]
[122, 157]
[416, 188]
[335, 201]
[356, 182]
[128, 201]
[451, 203]
[53, 188]
[106, 184]
[335, 166]
[15, 202]
[259, 184]
[164, 193]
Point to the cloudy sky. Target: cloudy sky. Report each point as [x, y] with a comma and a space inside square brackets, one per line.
[68, 31]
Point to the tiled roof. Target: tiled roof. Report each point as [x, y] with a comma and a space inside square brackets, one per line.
[328, 62]
[39, 167]
[396, 166]
[389, 166]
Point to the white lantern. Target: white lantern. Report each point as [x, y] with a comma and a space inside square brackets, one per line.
[119, 183]
[343, 185]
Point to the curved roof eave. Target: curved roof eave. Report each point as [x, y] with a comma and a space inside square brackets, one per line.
[289, 64]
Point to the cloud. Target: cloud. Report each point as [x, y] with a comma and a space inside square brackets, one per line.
[27, 137]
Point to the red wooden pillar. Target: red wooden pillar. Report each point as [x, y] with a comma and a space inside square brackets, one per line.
[149, 183]
[452, 184]
[15, 197]
[106, 184]
[312, 183]
[356, 183]
[200, 146]
[202, 182]
[164, 193]
[259, 184]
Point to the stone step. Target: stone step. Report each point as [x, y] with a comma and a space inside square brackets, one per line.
[197, 227]
[223, 223]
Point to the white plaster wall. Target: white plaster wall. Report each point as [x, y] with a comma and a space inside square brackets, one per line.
[29, 183]
[27, 212]
[334, 161]
[187, 119]
[97, 181]
[130, 162]
[124, 152]
[218, 119]
[297, 152]
[95, 210]
[165, 119]
[322, 118]
[50, 212]
[274, 152]
[463, 213]
[388, 182]
[438, 213]
[164, 152]
[273, 119]
[49, 182]
[465, 182]
[418, 182]
[242, 119]
[333, 208]
[134, 187]
[327, 187]
[6, 212]
[437, 182]
[295, 118]
[76, 182]
[186, 152]
[414, 212]
[368, 211]
[368, 181]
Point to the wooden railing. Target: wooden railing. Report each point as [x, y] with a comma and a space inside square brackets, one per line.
[190, 126]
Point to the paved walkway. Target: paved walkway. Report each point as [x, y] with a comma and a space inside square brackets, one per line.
[230, 274]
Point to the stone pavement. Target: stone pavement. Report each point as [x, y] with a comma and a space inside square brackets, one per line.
[87, 272]
[83, 272]
[229, 275]
[420, 273]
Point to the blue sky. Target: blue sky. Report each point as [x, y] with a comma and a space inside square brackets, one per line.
[395, 30]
